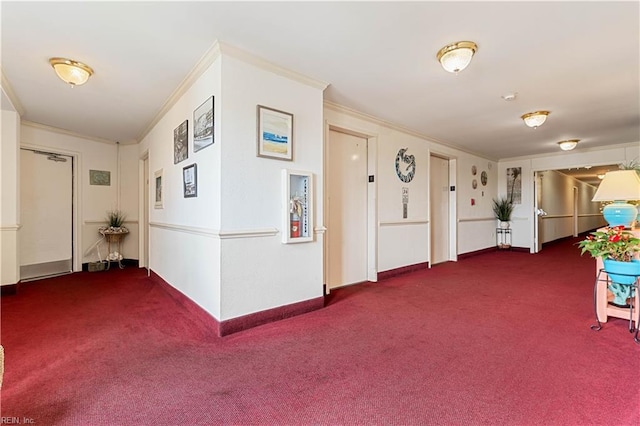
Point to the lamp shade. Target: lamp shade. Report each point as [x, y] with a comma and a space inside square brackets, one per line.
[457, 56]
[535, 119]
[619, 186]
[72, 72]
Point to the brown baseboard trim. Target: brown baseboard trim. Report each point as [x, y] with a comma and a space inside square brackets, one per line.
[125, 262]
[245, 322]
[9, 289]
[402, 270]
[234, 325]
[463, 256]
[200, 315]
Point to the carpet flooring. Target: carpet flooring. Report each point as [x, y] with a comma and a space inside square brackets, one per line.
[500, 338]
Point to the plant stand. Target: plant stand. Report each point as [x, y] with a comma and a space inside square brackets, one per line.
[114, 240]
[503, 238]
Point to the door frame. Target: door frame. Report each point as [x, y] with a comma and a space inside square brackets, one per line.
[372, 191]
[143, 220]
[453, 206]
[76, 192]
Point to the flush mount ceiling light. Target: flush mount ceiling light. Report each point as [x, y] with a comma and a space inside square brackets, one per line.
[72, 72]
[569, 144]
[457, 56]
[535, 119]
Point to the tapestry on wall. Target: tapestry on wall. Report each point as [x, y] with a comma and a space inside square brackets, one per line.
[514, 185]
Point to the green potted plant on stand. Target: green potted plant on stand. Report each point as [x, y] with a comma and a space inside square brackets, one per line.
[502, 209]
[617, 248]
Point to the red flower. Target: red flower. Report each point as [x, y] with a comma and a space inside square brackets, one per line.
[614, 238]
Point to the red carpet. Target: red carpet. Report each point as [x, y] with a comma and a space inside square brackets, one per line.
[500, 338]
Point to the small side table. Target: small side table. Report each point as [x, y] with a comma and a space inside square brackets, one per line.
[114, 239]
[503, 238]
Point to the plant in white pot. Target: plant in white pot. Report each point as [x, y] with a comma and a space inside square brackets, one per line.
[502, 209]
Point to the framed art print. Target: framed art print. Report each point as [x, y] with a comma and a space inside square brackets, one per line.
[158, 189]
[275, 133]
[203, 125]
[190, 181]
[181, 142]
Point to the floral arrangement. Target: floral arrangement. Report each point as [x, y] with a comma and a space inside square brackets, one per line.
[611, 243]
[115, 220]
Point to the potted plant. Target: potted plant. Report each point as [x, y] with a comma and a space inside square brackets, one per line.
[115, 221]
[502, 209]
[617, 248]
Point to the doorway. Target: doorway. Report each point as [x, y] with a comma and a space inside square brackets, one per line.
[346, 207]
[46, 194]
[439, 209]
[143, 203]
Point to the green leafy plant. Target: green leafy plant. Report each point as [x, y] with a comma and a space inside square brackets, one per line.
[502, 209]
[611, 243]
[115, 218]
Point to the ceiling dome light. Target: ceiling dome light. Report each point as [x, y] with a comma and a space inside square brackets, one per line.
[535, 119]
[72, 72]
[457, 56]
[568, 145]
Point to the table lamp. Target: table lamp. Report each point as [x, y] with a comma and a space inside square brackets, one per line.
[619, 186]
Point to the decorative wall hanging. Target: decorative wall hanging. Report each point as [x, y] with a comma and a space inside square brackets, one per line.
[483, 178]
[158, 190]
[514, 185]
[99, 177]
[405, 166]
[474, 170]
[190, 181]
[181, 142]
[474, 184]
[275, 133]
[203, 125]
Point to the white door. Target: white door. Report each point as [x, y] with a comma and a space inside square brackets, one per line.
[347, 209]
[439, 208]
[144, 229]
[46, 214]
[538, 232]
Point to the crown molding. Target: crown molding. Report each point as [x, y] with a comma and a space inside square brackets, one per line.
[373, 119]
[65, 132]
[573, 152]
[256, 61]
[11, 94]
[209, 57]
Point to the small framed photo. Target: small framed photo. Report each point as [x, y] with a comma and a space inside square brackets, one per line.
[275, 133]
[158, 190]
[190, 180]
[203, 125]
[181, 142]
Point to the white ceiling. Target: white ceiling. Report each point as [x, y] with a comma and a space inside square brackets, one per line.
[580, 60]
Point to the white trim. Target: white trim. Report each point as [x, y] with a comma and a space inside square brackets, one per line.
[560, 216]
[7, 88]
[572, 154]
[393, 126]
[103, 221]
[11, 227]
[209, 57]
[319, 229]
[476, 219]
[270, 66]
[223, 235]
[66, 132]
[403, 222]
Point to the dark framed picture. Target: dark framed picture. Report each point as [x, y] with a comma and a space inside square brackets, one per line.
[181, 142]
[275, 133]
[203, 125]
[190, 181]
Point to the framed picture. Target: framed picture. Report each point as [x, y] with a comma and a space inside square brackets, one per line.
[275, 134]
[158, 189]
[203, 125]
[181, 142]
[100, 177]
[190, 181]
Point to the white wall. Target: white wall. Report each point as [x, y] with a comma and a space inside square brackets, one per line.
[402, 242]
[258, 271]
[184, 244]
[558, 202]
[92, 201]
[523, 215]
[10, 200]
